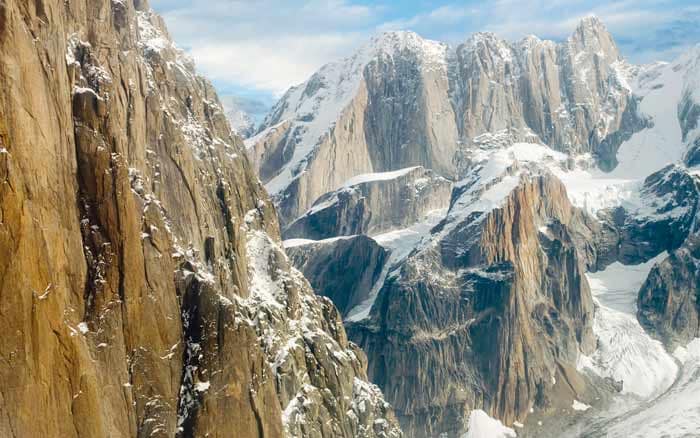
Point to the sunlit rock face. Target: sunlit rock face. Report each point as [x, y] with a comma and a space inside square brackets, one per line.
[143, 287]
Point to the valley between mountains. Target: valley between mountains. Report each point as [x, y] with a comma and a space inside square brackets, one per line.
[482, 240]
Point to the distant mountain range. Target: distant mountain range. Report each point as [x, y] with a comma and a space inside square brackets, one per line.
[244, 113]
[506, 227]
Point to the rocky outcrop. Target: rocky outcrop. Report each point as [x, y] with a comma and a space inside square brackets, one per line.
[403, 101]
[343, 269]
[373, 203]
[669, 300]
[491, 314]
[658, 218]
[143, 287]
[572, 96]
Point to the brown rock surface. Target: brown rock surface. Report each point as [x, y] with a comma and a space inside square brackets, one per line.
[492, 315]
[143, 291]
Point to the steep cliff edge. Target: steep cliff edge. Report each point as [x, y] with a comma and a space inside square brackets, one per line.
[143, 288]
[343, 269]
[669, 300]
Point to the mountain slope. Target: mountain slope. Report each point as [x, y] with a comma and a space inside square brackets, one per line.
[143, 287]
[236, 110]
[565, 161]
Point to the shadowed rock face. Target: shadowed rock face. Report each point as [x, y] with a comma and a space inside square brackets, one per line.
[487, 316]
[143, 288]
[344, 270]
[374, 206]
[669, 301]
[411, 102]
[662, 221]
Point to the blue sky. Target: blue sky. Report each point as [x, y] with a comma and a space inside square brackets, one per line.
[258, 48]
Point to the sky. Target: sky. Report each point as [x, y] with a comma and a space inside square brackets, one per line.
[256, 49]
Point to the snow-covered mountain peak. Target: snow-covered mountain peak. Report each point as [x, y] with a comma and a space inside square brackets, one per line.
[406, 43]
[488, 41]
[591, 21]
[592, 37]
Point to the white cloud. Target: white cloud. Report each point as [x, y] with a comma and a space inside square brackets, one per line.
[269, 45]
[448, 15]
[271, 65]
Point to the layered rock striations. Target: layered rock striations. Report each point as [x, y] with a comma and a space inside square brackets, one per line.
[373, 204]
[143, 287]
[489, 314]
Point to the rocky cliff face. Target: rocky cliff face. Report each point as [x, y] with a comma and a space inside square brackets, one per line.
[571, 96]
[342, 269]
[142, 281]
[489, 315]
[487, 306]
[403, 101]
[669, 301]
[659, 215]
[373, 203]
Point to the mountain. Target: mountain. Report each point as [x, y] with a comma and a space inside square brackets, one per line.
[240, 120]
[144, 290]
[553, 271]
[403, 101]
[244, 113]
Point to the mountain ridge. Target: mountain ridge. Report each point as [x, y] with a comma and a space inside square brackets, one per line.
[567, 163]
[483, 85]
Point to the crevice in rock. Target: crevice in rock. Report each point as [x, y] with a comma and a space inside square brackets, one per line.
[188, 398]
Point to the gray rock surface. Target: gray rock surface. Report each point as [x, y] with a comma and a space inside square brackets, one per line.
[669, 300]
[344, 269]
[373, 204]
[661, 219]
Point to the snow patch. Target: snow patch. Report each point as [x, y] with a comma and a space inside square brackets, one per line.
[483, 426]
[379, 176]
[626, 353]
[291, 243]
[202, 386]
[578, 406]
[83, 327]
[674, 414]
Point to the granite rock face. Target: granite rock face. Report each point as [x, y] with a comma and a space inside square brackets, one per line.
[143, 287]
[373, 203]
[488, 306]
[669, 301]
[488, 315]
[343, 269]
[403, 101]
